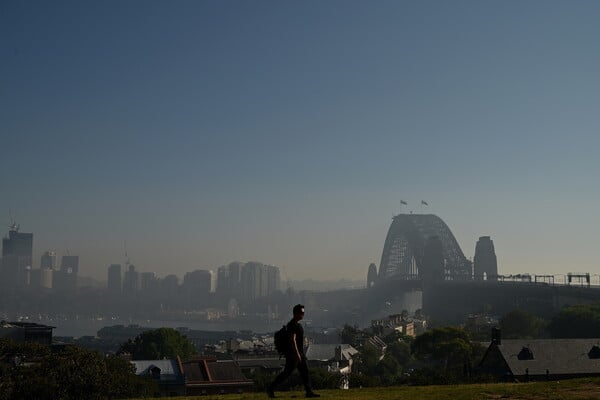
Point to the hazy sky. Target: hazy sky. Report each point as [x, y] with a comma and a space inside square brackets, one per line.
[287, 132]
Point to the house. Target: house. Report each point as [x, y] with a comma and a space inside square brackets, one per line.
[400, 323]
[541, 359]
[376, 343]
[207, 375]
[168, 374]
[269, 365]
[333, 357]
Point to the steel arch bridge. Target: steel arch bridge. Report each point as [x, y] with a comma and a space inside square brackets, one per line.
[402, 256]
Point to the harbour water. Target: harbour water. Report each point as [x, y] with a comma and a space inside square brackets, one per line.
[90, 326]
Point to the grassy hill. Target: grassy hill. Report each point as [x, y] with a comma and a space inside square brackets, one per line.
[574, 389]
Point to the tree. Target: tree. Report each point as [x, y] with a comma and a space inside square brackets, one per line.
[366, 360]
[519, 324]
[580, 321]
[399, 351]
[449, 346]
[73, 373]
[388, 369]
[159, 343]
[348, 334]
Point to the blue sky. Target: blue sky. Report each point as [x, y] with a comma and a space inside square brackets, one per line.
[203, 132]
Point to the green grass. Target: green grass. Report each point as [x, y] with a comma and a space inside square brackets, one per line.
[573, 389]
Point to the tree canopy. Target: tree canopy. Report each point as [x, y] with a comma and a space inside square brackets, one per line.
[519, 324]
[449, 345]
[159, 343]
[580, 321]
[73, 373]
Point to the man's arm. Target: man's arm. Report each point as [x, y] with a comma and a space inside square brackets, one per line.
[295, 347]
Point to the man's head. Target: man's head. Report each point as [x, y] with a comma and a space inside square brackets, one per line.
[298, 311]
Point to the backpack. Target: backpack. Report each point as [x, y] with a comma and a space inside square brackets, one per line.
[282, 340]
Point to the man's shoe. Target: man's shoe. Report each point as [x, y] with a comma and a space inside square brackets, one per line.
[270, 392]
[311, 395]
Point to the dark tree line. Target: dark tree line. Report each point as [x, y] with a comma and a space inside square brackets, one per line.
[31, 371]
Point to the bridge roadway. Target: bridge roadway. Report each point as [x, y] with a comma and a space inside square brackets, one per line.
[451, 301]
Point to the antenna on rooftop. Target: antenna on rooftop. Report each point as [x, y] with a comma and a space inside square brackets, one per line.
[13, 224]
[126, 256]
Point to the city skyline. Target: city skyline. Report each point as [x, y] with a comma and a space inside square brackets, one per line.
[202, 133]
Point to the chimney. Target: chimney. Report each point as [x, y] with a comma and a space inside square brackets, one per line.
[496, 336]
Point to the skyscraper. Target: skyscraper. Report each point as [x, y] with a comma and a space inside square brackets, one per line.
[48, 260]
[114, 284]
[228, 280]
[65, 280]
[70, 264]
[259, 280]
[148, 281]
[196, 287]
[17, 250]
[131, 281]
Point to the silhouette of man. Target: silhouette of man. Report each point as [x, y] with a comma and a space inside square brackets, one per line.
[294, 357]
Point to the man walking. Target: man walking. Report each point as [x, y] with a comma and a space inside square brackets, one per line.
[294, 356]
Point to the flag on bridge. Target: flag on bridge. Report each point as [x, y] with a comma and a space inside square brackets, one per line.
[403, 202]
[423, 202]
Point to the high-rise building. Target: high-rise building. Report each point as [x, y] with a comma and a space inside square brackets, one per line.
[259, 280]
[48, 260]
[131, 281]
[65, 280]
[273, 279]
[17, 243]
[17, 250]
[228, 280]
[251, 281]
[70, 264]
[485, 265]
[46, 278]
[148, 281]
[115, 279]
[196, 287]
[169, 291]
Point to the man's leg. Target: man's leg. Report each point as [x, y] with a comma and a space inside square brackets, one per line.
[303, 369]
[283, 375]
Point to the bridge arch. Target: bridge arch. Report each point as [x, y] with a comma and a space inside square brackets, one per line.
[402, 256]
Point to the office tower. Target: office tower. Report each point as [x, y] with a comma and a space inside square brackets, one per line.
[70, 264]
[131, 281]
[65, 280]
[198, 281]
[17, 243]
[148, 281]
[485, 265]
[46, 278]
[273, 279]
[259, 280]
[17, 250]
[48, 260]
[196, 288]
[251, 281]
[169, 291]
[228, 280]
[170, 284]
[223, 285]
[114, 284]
